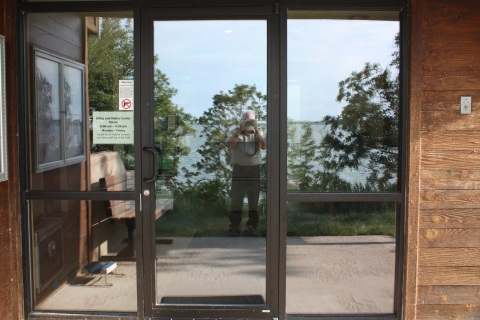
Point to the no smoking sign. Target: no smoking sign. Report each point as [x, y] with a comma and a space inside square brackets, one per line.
[126, 104]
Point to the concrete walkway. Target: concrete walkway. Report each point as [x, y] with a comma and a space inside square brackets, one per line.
[325, 275]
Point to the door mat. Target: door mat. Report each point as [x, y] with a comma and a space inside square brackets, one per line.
[242, 299]
[163, 241]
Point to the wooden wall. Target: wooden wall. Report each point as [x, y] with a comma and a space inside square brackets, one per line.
[11, 291]
[443, 240]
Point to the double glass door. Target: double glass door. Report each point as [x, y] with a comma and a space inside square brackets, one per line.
[251, 213]
[227, 162]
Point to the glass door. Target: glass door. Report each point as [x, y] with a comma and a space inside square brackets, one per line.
[205, 146]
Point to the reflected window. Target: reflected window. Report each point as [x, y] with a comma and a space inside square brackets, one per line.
[60, 111]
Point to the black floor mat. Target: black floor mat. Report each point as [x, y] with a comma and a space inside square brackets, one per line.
[243, 299]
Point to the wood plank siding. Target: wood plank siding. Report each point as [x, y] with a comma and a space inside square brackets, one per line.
[445, 65]
[11, 291]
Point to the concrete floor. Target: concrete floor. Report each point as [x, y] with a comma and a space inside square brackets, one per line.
[325, 275]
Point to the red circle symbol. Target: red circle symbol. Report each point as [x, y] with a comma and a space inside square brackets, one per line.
[126, 104]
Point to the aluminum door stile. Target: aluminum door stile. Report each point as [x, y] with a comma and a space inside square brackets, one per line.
[256, 11]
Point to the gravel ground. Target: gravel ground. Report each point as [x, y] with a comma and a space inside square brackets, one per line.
[326, 275]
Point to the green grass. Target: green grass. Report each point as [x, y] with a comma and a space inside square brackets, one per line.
[212, 221]
[198, 224]
[340, 224]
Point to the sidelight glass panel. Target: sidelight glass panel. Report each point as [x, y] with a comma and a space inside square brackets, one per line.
[83, 256]
[343, 133]
[343, 101]
[81, 123]
[66, 275]
[340, 258]
[210, 136]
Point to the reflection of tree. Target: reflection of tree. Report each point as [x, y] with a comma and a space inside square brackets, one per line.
[365, 134]
[47, 136]
[367, 129]
[169, 141]
[217, 122]
[73, 130]
[110, 59]
[301, 155]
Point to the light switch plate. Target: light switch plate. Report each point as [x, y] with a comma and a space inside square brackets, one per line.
[465, 104]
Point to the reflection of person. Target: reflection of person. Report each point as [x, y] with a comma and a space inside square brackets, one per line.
[245, 143]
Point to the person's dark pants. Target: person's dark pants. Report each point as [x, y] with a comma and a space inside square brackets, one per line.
[245, 181]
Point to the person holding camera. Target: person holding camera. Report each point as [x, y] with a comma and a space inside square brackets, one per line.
[246, 143]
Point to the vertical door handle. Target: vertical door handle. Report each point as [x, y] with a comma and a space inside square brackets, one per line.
[152, 150]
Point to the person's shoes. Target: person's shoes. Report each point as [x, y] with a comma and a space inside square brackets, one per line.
[234, 233]
[251, 232]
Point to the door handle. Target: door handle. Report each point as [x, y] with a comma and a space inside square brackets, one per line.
[152, 179]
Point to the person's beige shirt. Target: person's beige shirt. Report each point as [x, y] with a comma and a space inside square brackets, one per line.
[247, 151]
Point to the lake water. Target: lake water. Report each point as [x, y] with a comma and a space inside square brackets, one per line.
[195, 142]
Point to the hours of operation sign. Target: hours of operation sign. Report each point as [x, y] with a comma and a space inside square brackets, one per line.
[125, 95]
[112, 127]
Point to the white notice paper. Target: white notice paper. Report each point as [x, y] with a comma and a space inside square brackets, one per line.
[125, 95]
[112, 127]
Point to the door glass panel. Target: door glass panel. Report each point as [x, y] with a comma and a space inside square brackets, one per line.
[342, 102]
[343, 109]
[81, 119]
[210, 121]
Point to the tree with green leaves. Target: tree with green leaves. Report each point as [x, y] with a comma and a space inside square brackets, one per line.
[110, 59]
[363, 137]
[366, 131]
[217, 122]
[301, 156]
[169, 141]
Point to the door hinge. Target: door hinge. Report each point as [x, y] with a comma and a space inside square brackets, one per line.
[277, 8]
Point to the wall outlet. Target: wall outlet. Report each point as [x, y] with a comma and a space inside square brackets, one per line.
[465, 105]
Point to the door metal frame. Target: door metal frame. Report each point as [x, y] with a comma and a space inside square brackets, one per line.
[265, 13]
[275, 13]
[398, 197]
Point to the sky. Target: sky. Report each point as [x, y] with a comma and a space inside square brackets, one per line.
[203, 58]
